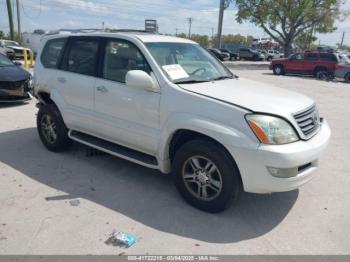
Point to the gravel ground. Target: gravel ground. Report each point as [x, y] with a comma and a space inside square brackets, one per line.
[37, 215]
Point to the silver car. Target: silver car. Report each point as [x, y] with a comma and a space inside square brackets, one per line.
[343, 71]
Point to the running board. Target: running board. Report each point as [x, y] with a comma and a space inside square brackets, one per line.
[114, 149]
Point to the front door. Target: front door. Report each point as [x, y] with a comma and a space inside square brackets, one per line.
[125, 115]
[295, 63]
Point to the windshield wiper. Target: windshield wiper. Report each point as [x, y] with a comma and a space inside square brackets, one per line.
[224, 77]
[191, 81]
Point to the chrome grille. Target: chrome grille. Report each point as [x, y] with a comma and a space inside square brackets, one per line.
[308, 121]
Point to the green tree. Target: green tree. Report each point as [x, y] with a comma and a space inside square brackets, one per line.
[305, 41]
[203, 40]
[182, 35]
[2, 35]
[235, 39]
[286, 20]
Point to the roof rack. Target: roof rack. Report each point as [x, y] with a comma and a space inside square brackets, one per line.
[92, 30]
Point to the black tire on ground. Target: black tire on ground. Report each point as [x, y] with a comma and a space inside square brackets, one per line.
[347, 78]
[51, 128]
[322, 75]
[213, 200]
[278, 70]
[319, 70]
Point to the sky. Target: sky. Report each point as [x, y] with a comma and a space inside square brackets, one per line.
[171, 16]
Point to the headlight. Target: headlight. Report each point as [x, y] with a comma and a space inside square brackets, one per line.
[271, 130]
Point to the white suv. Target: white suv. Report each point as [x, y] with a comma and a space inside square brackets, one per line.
[166, 103]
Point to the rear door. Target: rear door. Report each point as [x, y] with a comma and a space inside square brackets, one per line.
[311, 60]
[76, 79]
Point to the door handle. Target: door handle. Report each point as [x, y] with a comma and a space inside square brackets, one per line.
[61, 80]
[102, 89]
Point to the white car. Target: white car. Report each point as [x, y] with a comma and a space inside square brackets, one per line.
[166, 103]
[16, 47]
[273, 54]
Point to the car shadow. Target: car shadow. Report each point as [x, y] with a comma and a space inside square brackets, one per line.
[13, 104]
[143, 194]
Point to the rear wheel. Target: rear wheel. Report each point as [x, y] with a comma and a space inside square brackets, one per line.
[278, 70]
[51, 128]
[322, 75]
[205, 175]
[347, 78]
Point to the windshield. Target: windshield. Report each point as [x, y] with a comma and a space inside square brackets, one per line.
[4, 61]
[187, 63]
[10, 43]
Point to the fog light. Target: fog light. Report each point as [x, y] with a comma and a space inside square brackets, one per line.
[283, 172]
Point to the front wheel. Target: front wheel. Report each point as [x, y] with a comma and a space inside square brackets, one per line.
[51, 128]
[205, 175]
[278, 70]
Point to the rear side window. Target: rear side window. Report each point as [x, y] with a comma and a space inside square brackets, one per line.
[328, 57]
[52, 52]
[311, 57]
[82, 56]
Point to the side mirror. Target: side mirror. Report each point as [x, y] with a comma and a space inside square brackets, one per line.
[17, 63]
[139, 79]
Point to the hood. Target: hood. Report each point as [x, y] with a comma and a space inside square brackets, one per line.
[13, 74]
[252, 95]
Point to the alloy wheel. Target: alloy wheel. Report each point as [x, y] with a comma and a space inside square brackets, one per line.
[202, 178]
[48, 128]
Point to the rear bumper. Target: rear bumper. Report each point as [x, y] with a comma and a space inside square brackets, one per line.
[253, 164]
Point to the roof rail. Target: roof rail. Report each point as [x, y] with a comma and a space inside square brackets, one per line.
[128, 30]
[92, 30]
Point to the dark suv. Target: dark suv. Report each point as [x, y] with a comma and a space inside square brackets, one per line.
[309, 63]
[250, 54]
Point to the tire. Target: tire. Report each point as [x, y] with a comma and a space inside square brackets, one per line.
[278, 70]
[219, 188]
[51, 128]
[322, 75]
[347, 78]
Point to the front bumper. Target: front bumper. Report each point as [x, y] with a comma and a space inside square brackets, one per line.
[253, 163]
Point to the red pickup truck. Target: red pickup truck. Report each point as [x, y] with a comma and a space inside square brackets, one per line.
[308, 63]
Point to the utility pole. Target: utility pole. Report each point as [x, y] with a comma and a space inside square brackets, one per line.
[189, 20]
[18, 21]
[9, 10]
[223, 5]
[342, 40]
[176, 30]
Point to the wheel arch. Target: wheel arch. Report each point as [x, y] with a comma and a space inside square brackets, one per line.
[182, 136]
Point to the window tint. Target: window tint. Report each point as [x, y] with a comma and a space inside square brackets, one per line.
[299, 56]
[52, 52]
[82, 57]
[121, 57]
[328, 57]
[311, 57]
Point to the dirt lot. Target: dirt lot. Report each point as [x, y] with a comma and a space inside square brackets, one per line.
[36, 187]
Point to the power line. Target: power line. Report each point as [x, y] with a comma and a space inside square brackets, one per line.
[30, 17]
